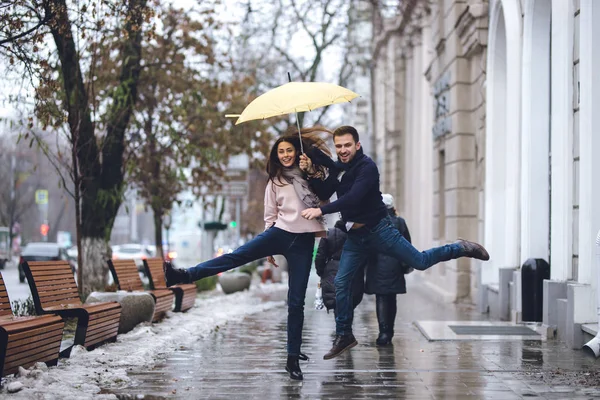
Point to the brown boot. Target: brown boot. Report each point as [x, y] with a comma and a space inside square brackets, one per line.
[340, 344]
[473, 250]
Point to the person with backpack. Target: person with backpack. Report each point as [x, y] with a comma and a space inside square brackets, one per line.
[385, 279]
[327, 261]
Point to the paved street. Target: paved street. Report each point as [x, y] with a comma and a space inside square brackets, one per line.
[16, 290]
[246, 359]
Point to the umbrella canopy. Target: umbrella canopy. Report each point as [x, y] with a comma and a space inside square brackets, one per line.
[295, 97]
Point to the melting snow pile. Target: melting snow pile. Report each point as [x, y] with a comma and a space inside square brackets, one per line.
[85, 374]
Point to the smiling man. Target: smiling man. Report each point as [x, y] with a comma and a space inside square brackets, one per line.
[370, 230]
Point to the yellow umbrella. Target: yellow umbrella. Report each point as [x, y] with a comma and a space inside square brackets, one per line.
[294, 97]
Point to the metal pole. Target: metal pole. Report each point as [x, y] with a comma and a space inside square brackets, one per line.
[133, 235]
[13, 167]
[237, 220]
[203, 238]
[297, 121]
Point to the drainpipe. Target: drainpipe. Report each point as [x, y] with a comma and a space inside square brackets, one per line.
[593, 346]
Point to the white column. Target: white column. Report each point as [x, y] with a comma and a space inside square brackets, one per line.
[535, 207]
[512, 18]
[589, 136]
[495, 145]
[379, 114]
[503, 139]
[411, 112]
[425, 147]
[561, 142]
[412, 137]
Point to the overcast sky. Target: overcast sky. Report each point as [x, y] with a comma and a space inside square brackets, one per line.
[231, 11]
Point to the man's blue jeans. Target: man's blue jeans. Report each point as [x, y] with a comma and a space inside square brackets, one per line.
[297, 248]
[384, 238]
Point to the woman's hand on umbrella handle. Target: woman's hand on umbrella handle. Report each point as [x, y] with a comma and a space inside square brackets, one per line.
[306, 164]
[271, 260]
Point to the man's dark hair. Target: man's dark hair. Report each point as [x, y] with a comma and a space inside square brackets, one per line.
[346, 130]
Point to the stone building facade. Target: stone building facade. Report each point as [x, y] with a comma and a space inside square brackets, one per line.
[486, 119]
[543, 189]
[429, 127]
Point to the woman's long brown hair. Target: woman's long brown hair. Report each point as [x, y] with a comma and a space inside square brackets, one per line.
[311, 137]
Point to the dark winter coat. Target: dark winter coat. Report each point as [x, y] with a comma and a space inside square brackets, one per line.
[385, 274]
[358, 195]
[327, 261]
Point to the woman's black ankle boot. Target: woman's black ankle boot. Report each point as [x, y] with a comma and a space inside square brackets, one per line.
[293, 368]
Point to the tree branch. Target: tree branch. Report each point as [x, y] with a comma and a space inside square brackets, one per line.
[27, 32]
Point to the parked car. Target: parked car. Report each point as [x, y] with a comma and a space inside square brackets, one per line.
[137, 252]
[72, 252]
[44, 251]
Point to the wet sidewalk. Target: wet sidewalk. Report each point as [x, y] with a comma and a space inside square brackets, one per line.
[246, 360]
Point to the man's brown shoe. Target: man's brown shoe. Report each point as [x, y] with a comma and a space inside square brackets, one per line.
[473, 250]
[340, 344]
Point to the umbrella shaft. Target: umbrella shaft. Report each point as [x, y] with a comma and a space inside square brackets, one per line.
[299, 134]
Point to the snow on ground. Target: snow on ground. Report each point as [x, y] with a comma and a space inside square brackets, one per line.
[85, 374]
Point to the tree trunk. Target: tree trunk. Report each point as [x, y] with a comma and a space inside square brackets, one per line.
[77, 190]
[158, 219]
[101, 174]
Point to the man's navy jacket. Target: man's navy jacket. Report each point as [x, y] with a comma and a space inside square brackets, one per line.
[359, 199]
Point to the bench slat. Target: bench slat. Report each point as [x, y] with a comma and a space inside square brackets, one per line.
[126, 274]
[52, 306]
[31, 336]
[24, 324]
[154, 268]
[15, 350]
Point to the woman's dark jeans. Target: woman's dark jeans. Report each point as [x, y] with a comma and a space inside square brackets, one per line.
[297, 248]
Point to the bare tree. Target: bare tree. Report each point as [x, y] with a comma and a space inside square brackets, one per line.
[309, 39]
[65, 94]
[17, 183]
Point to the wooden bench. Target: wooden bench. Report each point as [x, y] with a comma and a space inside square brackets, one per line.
[54, 291]
[185, 294]
[127, 277]
[26, 340]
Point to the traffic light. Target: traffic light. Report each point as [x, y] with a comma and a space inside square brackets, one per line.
[233, 224]
[44, 228]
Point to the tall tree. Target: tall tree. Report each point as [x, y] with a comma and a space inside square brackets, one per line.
[64, 80]
[309, 39]
[180, 139]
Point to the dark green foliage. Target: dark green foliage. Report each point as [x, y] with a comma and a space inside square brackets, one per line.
[209, 283]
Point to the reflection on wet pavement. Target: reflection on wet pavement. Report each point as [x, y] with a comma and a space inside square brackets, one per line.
[246, 359]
